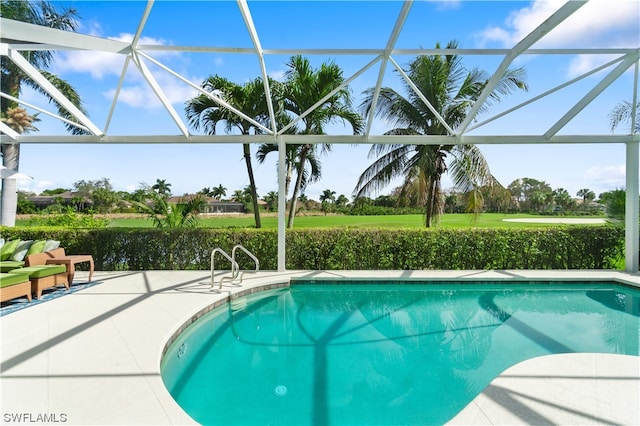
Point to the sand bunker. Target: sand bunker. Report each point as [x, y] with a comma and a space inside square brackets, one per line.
[567, 220]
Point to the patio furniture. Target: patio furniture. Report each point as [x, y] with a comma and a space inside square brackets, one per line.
[14, 285]
[70, 261]
[8, 265]
[13, 253]
[43, 276]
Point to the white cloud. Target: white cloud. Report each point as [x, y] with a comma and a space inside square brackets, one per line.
[584, 63]
[142, 96]
[100, 64]
[608, 177]
[597, 23]
[448, 4]
[36, 186]
[135, 91]
[277, 75]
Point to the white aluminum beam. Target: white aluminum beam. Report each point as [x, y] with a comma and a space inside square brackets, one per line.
[550, 23]
[9, 132]
[330, 94]
[325, 139]
[548, 92]
[393, 38]
[593, 93]
[141, 24]
[375, 52]
[43, 111]
[632, 208]
[282, 204]
[159, 93]
[282, 196]
[632, 193]
[211, 96]
[25, 36]
[53, 39]
[248, 21]
[41, 81]
[423, 98]
[116, 95]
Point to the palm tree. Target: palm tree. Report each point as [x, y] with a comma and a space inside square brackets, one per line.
[238, 196]
[218, 192]
[311, 172]
[206, 191]
[328, 195]
[452, 90]
[272, 200]
[326, 198]
[249, 98]
[12, 79]
[587, 195]
[621, 113]
[342, 201]
[162, 187]
[173, 215]
[304, 87]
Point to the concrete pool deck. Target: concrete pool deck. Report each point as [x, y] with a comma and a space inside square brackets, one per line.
[93, 356]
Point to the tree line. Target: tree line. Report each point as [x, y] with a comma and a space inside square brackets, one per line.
[525, 195]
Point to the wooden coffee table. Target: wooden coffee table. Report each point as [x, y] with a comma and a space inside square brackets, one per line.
[70, 261]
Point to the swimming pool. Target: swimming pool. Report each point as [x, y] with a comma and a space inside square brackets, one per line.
[371, 353]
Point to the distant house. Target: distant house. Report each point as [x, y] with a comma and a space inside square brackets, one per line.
[212, 205]
[67, 198]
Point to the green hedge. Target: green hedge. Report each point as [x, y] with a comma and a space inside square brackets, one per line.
[572, 247]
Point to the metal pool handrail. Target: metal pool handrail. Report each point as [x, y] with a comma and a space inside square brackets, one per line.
[251, 255]
[234, 267]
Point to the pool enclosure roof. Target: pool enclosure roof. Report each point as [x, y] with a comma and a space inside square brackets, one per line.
[375, 64]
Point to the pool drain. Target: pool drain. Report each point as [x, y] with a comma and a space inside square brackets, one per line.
[280, 390]
[182, 350]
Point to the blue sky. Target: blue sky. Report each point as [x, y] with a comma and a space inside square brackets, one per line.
[360, 24]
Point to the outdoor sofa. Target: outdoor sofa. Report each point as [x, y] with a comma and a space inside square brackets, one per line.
[41, 275]
[14, 285]
[28, 259]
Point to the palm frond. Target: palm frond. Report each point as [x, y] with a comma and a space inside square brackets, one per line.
[382, 171]
[621, 113]
[469, 168]
[68, 91]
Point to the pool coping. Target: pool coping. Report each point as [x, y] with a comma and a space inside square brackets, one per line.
[94, 356]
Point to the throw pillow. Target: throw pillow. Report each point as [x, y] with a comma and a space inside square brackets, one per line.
[50, 245]
[37, 247]
[21, 250]
[8, 248]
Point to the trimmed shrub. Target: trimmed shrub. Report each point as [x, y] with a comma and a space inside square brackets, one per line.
[115, 249]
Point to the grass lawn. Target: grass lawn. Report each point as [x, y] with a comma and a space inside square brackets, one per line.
[487, 220]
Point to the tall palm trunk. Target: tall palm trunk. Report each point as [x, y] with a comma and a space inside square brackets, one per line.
[434, 204]
[287, 180]
[296, 187]
[252, 184]
[11, 160]
[9, 200]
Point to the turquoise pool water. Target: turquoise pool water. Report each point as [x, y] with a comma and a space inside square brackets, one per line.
[375, 354]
